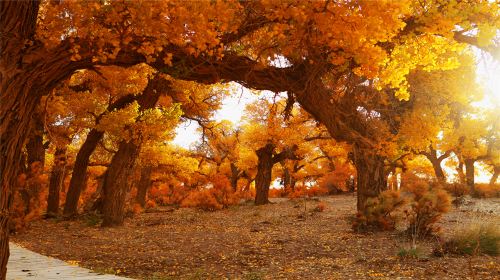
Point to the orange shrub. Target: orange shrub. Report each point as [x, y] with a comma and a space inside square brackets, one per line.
[150, 204]
[276, 192]
[168, 194]
[426, 207]
[320, 207]
[487, 190]
[378, 212]
[219, 196]
[456, 189]
[303, 191]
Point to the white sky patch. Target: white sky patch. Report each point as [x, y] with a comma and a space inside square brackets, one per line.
[232, 109]
[488, 76]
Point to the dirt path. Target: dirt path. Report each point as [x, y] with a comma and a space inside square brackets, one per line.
[25, 264]
[284, 240]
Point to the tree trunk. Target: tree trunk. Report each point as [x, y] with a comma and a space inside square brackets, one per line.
[494, 177]
[18, 101]
[438, 170]
[264, 174]
[78, 181]
[460, 171]
[436, 163]
[116, 184]
[56, 181]
[235, 172]
[143, 185]
[35, 148]
[469, 175]
[371, 175]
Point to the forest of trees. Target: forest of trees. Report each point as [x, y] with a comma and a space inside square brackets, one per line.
[368, 95]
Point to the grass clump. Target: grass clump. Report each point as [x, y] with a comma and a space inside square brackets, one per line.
[413, 252]
[474, 239]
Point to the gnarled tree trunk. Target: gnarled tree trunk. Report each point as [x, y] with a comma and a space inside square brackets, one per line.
[56, 181]
[235, 174]
[143, 185]
[78, 178]
[494, 177]
[264, 174]
[18, 100]
[116, 183]
[436, 162]
[371, 175]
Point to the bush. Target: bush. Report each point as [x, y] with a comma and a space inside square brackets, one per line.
[219, 196]
[414, 253]
[320, 207]
[427, 205]
[301, 191]
[377, 214]
[487, 190]
[478, 238]
[456, 189]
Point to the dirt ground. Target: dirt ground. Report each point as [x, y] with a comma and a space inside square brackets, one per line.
[284, 240]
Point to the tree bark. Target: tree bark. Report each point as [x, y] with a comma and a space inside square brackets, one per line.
[235, 174]
[494, 177]
[56, 181]
[78, 181]
[116, 183]
[143, 185]
[18, 101]
[371, 175]
[264, 174]
[469, 175]
[436, 163]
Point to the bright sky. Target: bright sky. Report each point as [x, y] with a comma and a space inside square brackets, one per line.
[232, 109]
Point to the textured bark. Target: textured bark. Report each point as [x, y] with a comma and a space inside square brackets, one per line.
[264, 172]
[371, 175]
[143, 185]
[235, 175]
[115, 184]
[56, 181]
[18, 101]
[469, 175]
[78, 179]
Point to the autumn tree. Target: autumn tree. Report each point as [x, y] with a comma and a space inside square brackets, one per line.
[324, 45]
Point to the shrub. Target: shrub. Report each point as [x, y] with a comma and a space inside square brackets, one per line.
[219, 196]
[301, 191]
[427, 205]
[414, 252]
[487, 190]
[477, 238]
[377, 214]
[456, 189]
[320, 207]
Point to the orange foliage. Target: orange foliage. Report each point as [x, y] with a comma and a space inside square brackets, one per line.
[219, 196]
[30, 199]
[427, 205]
[320, 207]
[378, 212]
[302, 191]
[487, 191]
